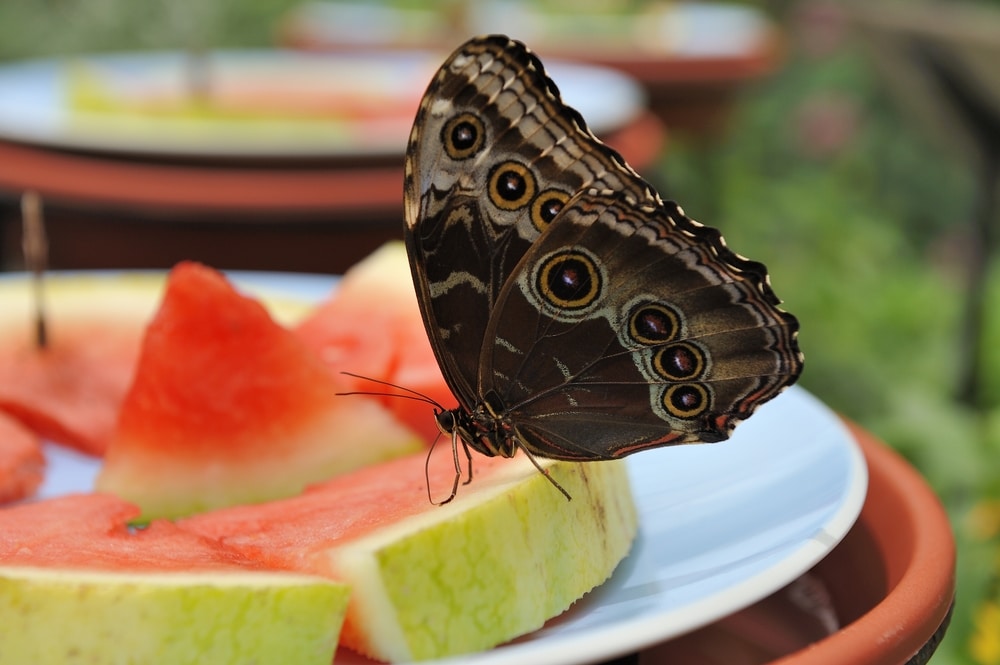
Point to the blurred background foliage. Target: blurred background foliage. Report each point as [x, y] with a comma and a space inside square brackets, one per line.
[863, 220]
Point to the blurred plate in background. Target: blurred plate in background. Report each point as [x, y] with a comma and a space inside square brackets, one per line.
[268, 103]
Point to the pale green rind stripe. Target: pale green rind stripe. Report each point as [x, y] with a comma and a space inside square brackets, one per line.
[480, 576]
[67, 618]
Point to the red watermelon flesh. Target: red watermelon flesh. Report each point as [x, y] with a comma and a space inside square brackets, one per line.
[229, 407]
[297, 531]
[371, 326]
[22, 462]
[90, 532]
[70, 391]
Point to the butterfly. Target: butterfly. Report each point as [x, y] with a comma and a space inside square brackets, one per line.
[575, 315]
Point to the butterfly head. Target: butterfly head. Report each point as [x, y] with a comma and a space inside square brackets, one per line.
[486, 429]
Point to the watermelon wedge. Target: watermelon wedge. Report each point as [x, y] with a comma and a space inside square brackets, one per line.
[509, 553]
[70, 391]
[229, 407]
[371, 326]
[78, 586]
[22, 462]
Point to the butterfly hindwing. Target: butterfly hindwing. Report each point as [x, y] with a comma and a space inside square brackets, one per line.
[628, 327]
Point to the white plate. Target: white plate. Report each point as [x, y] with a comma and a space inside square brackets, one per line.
[34, 104]
[721, 526]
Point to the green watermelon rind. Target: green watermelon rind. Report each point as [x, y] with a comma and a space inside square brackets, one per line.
[464, 578]
[59, 616]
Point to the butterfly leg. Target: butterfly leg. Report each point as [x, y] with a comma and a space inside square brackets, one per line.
[545, 472]
[468, 460]
[427, 472]
[455, 438]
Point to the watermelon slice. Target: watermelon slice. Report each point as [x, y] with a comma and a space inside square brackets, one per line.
[229, 407]
[71, 390]
[21, 461]
[78, 586]
[371, 326]
[430, 581]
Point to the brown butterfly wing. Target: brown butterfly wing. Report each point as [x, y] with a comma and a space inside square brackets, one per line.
[492, 157]
[628, 327]
[557, 287]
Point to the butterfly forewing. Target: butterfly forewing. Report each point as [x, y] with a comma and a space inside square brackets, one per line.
[493, 155]
[574, 314]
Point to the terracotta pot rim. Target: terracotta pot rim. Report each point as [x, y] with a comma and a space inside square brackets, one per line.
[915, 538]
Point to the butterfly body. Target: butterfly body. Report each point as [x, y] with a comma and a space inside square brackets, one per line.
[574, 314]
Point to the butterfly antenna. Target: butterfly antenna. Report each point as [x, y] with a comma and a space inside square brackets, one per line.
[407, 393]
